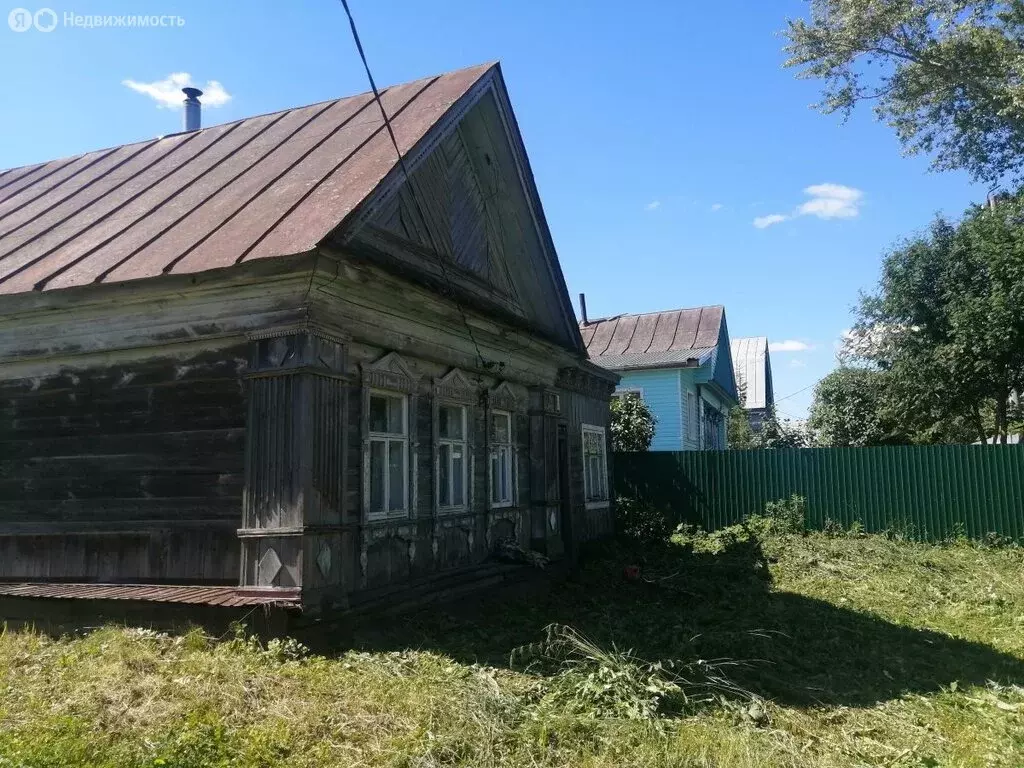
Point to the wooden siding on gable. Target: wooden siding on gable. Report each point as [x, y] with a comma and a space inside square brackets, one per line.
[464, 219]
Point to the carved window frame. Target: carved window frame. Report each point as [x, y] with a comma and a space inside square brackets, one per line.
[503, 401]
[390, 376]
[455, 390]
[595, 498]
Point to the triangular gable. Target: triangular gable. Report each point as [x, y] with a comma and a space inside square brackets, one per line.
[469, 216]
[716, 367]
[724, 375]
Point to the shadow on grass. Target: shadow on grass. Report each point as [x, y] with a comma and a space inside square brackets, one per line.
[699, 605]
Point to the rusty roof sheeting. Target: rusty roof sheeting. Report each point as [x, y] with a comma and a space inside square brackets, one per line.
[655, 339]
[229, 597]
[272, 185]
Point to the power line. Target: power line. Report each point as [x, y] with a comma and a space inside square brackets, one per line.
[412, 192]
[794, 394]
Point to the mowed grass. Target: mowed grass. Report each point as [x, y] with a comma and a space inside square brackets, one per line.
[861, 651]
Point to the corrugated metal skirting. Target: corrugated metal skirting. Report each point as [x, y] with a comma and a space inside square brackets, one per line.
[931, 491]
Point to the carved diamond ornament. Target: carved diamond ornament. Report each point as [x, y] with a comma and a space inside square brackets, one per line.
[267, 568]
[323, 560]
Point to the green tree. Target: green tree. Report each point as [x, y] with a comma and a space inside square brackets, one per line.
[850, 409]
[740, 434]
[778, 433]
[946, 75]
[632, 424]
[946, 327]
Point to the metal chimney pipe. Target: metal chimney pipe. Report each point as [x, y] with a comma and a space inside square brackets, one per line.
[193, 109]
[583, 307]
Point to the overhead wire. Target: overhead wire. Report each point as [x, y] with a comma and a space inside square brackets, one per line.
[483, 362]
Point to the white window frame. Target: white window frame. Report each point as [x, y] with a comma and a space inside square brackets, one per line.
[618, 394]
[692, 418]
[493, 452]
[601, 495]
[387, 438]
[452, 443]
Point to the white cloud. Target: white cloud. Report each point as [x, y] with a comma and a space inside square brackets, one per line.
[831, 201]
[789, 345]
[167, 92]
[827, 201]
[716, 207]
[766, 221]
[653, 205]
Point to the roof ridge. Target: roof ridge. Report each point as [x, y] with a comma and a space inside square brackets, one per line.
[71, 158]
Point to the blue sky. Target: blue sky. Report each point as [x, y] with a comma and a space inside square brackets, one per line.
[658, 132]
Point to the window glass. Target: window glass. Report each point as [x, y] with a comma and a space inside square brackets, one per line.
[387, 455]
[386, 414]
[449, 422]
[396, 475]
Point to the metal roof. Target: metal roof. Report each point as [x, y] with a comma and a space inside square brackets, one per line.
[272, 185]
[677, 338]
[752, 366]
[229, 597]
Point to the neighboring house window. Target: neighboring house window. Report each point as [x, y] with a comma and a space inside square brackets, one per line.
[713, 422]
[622, 394]
[451, 456]
[691, 417]
[388, 459]
[502, 459]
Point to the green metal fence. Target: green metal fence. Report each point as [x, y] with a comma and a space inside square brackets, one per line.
[932, 491]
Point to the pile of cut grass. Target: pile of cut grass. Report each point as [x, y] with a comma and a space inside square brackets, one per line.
[863, 651]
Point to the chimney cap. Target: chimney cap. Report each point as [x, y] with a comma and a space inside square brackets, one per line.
[192, 93]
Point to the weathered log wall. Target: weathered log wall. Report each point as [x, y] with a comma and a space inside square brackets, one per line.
[129, 472]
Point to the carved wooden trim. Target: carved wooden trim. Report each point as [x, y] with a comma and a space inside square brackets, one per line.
[503, 397]
[578, 380]
[456, 387]
[390, 372]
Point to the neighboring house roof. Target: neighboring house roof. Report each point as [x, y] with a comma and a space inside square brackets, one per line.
[673, 339]
[752, 364]
[266, 186]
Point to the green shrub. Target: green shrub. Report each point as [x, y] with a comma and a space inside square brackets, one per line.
[642, 521]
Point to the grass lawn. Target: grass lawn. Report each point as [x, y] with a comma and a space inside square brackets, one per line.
[861, 650]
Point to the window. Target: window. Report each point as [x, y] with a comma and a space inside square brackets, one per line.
[595, 464]
[502, 459]
[713, 423]
[451, 456]
[388, 458]
[691, 417]
[622, 394]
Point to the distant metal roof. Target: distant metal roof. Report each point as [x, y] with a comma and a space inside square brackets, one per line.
[273, 185]
[680, 337]
[229, 597]
[752, 366]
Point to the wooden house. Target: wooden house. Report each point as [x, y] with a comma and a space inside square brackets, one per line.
[257, 363]
[752, 362]
[680, 363]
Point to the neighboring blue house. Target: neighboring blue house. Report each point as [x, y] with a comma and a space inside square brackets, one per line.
[680, 363]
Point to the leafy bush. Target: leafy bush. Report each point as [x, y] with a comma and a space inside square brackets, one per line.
[781, 517]
[632, 424]
[589, 681]
[642, 521]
